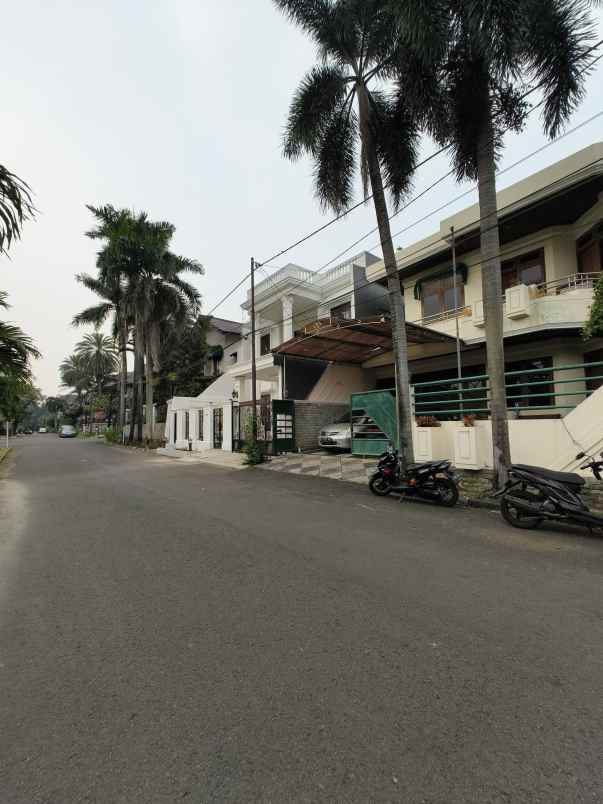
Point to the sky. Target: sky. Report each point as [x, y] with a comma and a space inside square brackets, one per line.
[177, 107]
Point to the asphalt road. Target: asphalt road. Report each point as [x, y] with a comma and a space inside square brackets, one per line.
[183, 633]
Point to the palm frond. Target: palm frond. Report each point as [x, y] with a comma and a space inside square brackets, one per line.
[16, 206]
[336, 161]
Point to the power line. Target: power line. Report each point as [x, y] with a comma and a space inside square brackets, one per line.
[343, 214]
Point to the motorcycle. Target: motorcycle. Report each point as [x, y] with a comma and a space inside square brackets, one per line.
[533, 494]
[433, 481]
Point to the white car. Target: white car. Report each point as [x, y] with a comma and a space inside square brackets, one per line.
[42, 430]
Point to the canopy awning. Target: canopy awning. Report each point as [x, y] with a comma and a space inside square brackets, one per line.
[352, 341]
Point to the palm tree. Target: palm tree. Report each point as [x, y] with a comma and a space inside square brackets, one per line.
[347, 97]
[100, 354]
[484, 51]
[16, 206]
[112, 226]
[75, 372]
[16, 349]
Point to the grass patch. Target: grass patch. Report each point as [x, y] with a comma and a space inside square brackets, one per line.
[3, 453]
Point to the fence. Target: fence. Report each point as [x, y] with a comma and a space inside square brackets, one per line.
[540, 390]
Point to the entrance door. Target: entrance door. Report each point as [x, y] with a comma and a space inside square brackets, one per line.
[218, 427]
[175, 427]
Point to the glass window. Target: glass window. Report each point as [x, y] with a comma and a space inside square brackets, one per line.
[527, 269]
[589, 250]
[342, 311]
[186, 426]
[265, 344]
[200, 425]
[593, 372]
[233, 357]
[438, 295]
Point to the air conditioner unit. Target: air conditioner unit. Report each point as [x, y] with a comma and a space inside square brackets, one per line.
[517, 301]
[477, 313]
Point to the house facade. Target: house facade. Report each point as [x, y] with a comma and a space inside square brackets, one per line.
[551, 231]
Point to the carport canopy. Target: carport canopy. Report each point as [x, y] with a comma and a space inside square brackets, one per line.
[352, 340]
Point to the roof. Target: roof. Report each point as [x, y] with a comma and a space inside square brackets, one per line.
[352, 340]
[225, 325]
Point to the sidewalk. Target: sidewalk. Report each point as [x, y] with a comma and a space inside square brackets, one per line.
[335, 467]
[212, 457]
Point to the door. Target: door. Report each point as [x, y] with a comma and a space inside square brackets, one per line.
[218, 427]
[283, 426]
[175, 427]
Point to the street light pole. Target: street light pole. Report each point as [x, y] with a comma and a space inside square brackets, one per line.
[456, 316]
[254, 423]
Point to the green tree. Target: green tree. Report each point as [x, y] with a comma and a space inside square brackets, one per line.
[183, 354]
[594, 326]
[16, 349]
[484, 53]
[349, 97]
[16, 206]
[100, 354]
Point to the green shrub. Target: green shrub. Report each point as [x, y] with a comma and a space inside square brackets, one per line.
[112, 436]
[254, 452]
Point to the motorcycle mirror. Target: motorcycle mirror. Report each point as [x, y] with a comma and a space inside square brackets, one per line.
[579, 456]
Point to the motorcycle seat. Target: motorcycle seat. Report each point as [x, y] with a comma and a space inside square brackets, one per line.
[568, 478]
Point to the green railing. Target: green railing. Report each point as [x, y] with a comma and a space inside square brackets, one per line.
[456, 397]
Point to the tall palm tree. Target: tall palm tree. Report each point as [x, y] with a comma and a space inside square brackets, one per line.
[111, 226]
[484, 52]
[75, 372]
[16, 349]
[346, 98]
[100, 354]
[16, 206]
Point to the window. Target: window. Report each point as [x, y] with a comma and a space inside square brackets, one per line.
[437, 294]
[186, 425]
[526, 383]
[233, 357]
[342, 311]
[589, 250]
[200, 436]
[527, 269]
[592, 372]
[265, 344]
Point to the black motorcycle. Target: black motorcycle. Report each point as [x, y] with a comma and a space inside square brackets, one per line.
[533, 495]
[433, 481]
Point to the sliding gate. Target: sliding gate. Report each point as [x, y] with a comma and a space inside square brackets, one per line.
[373, 422]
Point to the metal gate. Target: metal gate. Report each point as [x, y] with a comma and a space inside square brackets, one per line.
[373, 422]
[218, 427]
[275, 425]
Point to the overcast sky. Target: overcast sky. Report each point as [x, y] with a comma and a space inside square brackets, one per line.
[177, 107]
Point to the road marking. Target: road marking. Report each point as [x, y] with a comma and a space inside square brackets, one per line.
[368, 507]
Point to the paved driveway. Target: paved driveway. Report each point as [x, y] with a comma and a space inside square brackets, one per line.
[175, 632]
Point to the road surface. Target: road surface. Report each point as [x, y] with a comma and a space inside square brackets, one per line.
[175, 633]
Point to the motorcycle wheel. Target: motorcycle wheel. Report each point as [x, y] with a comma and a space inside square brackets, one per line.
[518, 519]
[447, 491]
[380, 486]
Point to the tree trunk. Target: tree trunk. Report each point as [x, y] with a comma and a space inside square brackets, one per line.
[394, 288]
[134, 401]
[140, 381]
[149, 389]
[492, 298]
[123, 376]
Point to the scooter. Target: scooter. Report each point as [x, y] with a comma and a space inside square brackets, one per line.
[433, 481]
[533, 494]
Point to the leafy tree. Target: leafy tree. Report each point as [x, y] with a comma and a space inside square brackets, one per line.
[349, 97]
[183, 354]
[484, 52]
[17, 395]
[100, 354]
[594, 326]
[16, 349]
[16, 206]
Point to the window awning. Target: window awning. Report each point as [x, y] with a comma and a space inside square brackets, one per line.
[461, 272]
[352, 341]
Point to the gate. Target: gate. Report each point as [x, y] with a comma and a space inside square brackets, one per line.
[275, 425]
[374, 425]
[218, 427]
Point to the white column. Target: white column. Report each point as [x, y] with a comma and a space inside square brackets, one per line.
[287, 303]
[227, 427]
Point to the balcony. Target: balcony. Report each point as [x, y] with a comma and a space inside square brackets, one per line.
[561, 303]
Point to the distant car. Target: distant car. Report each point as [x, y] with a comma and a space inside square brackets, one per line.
[67, 431]
[42, 430]
[337, 436]
[27, 432]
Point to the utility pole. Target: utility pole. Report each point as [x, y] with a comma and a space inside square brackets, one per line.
[456, 315]
[254, 422]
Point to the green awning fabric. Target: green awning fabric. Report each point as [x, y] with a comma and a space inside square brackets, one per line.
[461, 272]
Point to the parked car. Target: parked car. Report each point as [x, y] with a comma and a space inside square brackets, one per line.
[27, 431]
[42, 430]
[337, 436]
[67, 431]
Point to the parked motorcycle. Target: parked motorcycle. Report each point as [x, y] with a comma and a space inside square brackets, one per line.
[533, 494]
[433, 481]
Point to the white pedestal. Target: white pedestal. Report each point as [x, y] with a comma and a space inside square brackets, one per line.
[466, 455]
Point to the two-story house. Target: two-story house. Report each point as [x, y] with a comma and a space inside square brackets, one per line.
[551, 231]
